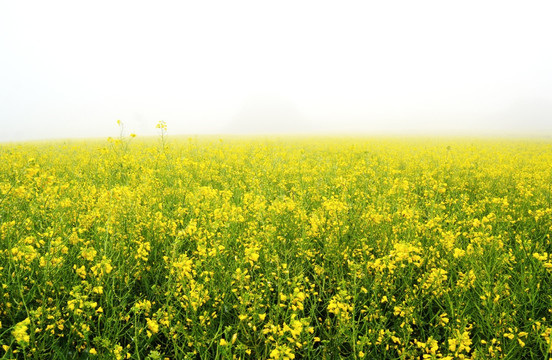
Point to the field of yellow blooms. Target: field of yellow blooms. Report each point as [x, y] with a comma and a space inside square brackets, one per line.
[276, 248]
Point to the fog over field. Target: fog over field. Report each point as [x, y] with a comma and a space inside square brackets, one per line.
[71, 69]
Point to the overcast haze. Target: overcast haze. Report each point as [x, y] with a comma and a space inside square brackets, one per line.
[72, 68]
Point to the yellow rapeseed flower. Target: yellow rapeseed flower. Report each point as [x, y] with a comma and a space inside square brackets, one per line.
[20, 332]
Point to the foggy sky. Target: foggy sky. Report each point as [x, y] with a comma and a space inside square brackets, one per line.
[72, 69]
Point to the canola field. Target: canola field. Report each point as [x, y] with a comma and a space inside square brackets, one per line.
[276, 248]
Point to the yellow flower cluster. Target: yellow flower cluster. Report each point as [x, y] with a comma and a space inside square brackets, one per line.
[282, 248]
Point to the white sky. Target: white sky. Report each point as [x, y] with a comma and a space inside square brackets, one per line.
[72, 68]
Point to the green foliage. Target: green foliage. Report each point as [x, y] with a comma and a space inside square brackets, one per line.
[276, 248]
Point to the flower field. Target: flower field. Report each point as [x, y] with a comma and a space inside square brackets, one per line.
[276, 248]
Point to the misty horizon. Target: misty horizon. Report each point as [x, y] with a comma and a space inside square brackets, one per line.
[271, 114]
[72, 70]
